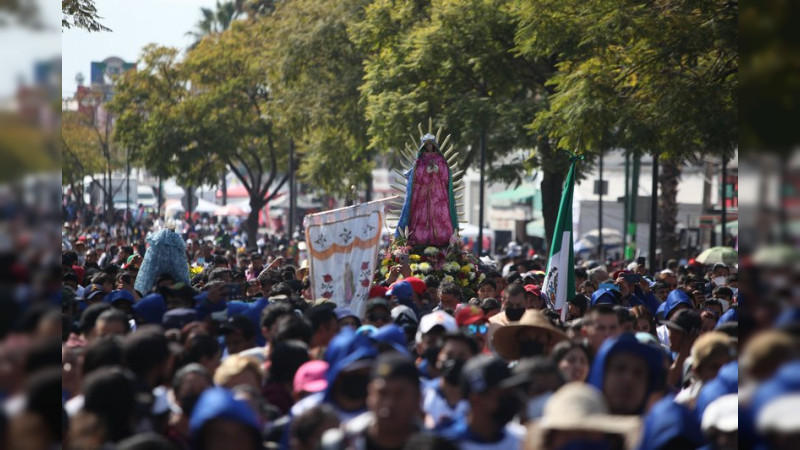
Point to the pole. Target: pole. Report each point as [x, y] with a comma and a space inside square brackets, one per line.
[292, 188]
[600, 248]
[626, 202]
[630, 251]
[127, 183]
[654, 265]
[160, 194]
[479, 244]
[723, 209]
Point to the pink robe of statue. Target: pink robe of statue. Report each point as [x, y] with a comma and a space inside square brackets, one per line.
[429, 223]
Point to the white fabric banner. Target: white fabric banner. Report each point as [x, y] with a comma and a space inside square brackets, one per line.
[343, 252]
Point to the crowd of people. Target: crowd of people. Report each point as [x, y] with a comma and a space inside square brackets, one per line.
[243, 357]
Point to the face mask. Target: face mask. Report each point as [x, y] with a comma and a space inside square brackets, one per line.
[187, 403]
[431, 354]
[354, 387]
[451, 371]
[719, 281]
[507, 406]
[514, 314]
[530, 348]
[535, 408]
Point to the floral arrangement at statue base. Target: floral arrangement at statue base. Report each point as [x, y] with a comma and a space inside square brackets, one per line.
[448, 264]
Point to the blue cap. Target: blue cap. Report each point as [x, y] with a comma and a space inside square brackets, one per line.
[603, 296]
[392, 335]
[401, 290]
[119, 294]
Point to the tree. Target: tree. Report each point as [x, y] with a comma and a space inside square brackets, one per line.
[214, 20]
[453, 61]
[80, 153]
[317, 74]
[81, 14]
[654, 77]
[232, 111]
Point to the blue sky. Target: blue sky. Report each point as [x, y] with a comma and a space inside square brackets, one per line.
[134, 24]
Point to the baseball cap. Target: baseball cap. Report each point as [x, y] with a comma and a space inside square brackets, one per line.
[484, 372]
[395, 365]
[404, 316]
[119, 295]
[92, 291]
[391, 335]
[342, 312]
[402, 290]
[418, 285]
[468, 315]
[311, 377]
[177, 318]
[377, 291]
[533, 289]
[685, 320]
[723, 414]
[434, 319]
[238, 322]
[377, 302]
[710, 344]
[617, 273]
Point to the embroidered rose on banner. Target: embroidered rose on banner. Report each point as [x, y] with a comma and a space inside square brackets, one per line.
[327, 278]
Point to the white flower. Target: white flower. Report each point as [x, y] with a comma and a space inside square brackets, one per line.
[472, 275]
[430, 251]
[447, 279]
[424, 267]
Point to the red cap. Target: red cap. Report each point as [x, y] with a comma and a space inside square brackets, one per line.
[377, 291]
[469, 315]
[533, 289]
[311, 377]
[616, 274]
[417, 284]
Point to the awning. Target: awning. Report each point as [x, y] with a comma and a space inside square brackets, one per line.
[535, 228]
[521, 193]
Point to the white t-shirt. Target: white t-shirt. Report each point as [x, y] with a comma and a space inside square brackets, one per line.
[437, 411]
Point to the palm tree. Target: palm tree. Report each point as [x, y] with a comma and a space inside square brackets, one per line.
[214, 20]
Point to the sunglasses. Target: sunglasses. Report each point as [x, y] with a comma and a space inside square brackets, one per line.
[476, 329]
[379, 318]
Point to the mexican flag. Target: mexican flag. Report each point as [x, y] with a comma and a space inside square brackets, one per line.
[559, 282]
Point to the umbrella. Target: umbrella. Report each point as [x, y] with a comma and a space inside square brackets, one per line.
[715, 255]
[230, 210]
[590, 240]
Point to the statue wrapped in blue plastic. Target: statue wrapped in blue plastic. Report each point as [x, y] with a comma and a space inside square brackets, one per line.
[166, 253]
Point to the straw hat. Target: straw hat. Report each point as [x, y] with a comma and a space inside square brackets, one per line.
[580, 406]
[506, 340]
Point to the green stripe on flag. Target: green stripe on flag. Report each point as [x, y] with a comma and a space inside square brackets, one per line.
[559, 283]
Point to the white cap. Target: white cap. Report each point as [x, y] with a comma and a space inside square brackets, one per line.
[436, 318]
[722, 414]
[667, 271]
[632, 266]
[780, 415]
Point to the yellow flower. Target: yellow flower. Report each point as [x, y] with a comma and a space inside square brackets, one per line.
[424, 267]
[413, 267]
[447, 279]
[465, 268]
[384, 270]
[463, 282]
[413, 257]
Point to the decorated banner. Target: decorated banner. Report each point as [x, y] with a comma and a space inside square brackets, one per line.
[559, 283]
[343, 252]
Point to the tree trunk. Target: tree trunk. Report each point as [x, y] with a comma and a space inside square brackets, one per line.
[668, 208]
[251, 224]
[553, 175]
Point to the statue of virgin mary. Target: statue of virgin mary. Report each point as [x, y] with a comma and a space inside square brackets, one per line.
[429, 214]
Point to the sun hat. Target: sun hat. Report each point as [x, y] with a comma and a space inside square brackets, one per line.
[580, 406]
[505, 338]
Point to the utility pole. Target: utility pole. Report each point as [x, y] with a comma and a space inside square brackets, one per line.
[654, 266]
[479, 244]
[626, 203]
[600, 248]
[630, 250]
[292, 188]
[723, 209]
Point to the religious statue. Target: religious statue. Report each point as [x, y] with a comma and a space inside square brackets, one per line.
[429, 214]
[166, 253]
